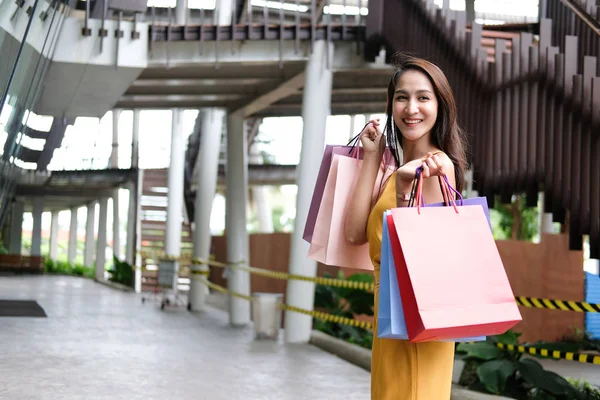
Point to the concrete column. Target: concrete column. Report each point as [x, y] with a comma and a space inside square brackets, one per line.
[224, 12]
[260, 195]
[101, 244]
[470, 10]
[181, 12]
[53, 236]
[316, 103]
[134, 195]
[88, 257]
[235, 218]
[73, 236]
[36, 236]
[114, 163]
[175, 185]
[16, 228]
[135, 140]
[545, 219]
[207, 165]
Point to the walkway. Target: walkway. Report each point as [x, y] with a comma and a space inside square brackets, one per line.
[100, 343]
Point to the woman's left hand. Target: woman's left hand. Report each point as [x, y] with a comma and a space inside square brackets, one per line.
[433, 166]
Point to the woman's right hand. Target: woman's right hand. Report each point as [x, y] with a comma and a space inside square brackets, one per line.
[371, 137]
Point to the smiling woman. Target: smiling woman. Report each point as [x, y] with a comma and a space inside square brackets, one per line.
[421, 130]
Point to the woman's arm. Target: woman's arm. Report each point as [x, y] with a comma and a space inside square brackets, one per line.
[359, 208]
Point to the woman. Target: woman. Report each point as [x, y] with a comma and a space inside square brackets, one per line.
[422, 123]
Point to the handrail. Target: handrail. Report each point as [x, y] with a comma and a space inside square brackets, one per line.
[583, 15]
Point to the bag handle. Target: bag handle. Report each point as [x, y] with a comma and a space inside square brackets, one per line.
[445, 188]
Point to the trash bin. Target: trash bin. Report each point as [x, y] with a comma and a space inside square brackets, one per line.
[266, 315]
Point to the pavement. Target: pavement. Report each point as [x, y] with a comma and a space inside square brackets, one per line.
[102, 343]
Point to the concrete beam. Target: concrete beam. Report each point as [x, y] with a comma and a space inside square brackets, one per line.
[285, 89]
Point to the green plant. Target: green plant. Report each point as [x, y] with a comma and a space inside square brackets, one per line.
[514, 220]
[507, 373]
[348, 303]
[590, 391]
[66, 268]
[121, 272]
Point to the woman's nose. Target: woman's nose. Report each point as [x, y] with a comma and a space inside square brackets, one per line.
[411, 108]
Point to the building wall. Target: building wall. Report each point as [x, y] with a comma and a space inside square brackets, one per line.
[547, 269]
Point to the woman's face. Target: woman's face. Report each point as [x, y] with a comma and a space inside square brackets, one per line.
[415, 105]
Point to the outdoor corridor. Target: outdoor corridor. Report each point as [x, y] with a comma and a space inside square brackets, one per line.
[101, 343]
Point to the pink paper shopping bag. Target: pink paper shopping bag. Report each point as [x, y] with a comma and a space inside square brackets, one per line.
[451, 277]
[328, 244]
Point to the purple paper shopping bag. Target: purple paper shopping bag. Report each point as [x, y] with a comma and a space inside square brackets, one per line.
[315, 203]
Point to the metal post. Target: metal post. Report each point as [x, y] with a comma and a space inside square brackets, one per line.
[36, 235]
[235, 224]
[101, 244]
[207, 166]
[88, 257]
[316, 104]
[53, 242]
[73, 237]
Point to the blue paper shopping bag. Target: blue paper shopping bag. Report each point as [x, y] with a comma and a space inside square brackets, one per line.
[390, 316]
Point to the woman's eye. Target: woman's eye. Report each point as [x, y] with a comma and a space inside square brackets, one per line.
[401, 98]
[423, 98]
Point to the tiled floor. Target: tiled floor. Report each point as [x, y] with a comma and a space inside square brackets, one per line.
[100, 343]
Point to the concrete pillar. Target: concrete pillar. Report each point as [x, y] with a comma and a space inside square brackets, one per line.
[316, 103]
[133, 214]
[207, 163]
[73, 237]
[470, 10]
[224, 12]
[53, 236]
[260, 195]
[16, 228]
[114, 163]
[545, 219]
[181, 12]
[36, 235]
[175, 185]
[88, 257]
[236, 179]
[101, 244]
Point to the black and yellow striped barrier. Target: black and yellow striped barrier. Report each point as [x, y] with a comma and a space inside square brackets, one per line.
[556, 354]
[565, 305]
[368, 286]
[531, 302]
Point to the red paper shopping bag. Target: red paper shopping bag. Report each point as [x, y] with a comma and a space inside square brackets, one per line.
[451, 277]
[328, 244]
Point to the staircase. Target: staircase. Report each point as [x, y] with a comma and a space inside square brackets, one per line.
[153, 218]
[526, 101]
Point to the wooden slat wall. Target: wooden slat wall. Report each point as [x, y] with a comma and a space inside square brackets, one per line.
[530, 105]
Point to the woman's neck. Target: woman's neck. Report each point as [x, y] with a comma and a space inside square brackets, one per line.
[417, 149]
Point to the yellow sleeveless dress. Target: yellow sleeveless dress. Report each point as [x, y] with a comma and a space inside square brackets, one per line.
[401, 370]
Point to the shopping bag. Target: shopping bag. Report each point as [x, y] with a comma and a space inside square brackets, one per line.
[390, 314]
[328, 244]
[471, 201]
[315, 202]
[451, 277]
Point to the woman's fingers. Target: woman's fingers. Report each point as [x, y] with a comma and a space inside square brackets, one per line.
[426, 172]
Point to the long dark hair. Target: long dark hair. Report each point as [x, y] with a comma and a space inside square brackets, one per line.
[445, 134]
